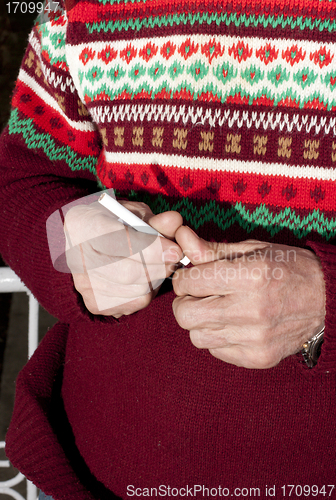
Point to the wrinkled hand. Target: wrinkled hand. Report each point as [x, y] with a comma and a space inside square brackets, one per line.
[251, 303]
[116, 269]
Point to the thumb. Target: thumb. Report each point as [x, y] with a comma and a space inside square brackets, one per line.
[201, 251]
[165, 223]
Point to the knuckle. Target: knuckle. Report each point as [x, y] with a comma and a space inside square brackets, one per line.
[258, 275]
[267, 314]
[260, 314]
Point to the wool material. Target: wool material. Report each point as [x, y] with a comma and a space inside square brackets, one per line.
[225, 112]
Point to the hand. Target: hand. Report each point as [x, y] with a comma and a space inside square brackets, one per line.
[251, 303]
[116, 269]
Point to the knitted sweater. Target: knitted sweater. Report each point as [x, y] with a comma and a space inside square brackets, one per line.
[225, 112]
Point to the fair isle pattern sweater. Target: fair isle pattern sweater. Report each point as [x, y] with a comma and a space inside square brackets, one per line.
[225, 112]
[233, 103]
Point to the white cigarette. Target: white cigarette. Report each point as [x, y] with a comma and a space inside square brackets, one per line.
[131, 219]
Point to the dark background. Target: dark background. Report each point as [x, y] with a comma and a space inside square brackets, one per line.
[14, 30]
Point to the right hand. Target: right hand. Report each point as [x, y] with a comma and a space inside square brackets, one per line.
[105, 260]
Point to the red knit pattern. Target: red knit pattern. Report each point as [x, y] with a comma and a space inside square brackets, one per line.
[223, 111]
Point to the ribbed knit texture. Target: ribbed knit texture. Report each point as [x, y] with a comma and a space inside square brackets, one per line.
[225, 112]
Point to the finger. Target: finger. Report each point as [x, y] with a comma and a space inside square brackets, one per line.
[245, 319]
[127, 273]
[101, 300]
[224, 277]
[106, 288]
[192, 313]
[166, 223]
[126, 243]
[200, 251]
[98, 251]
[248, 336]
[93, 226]
[157, 249]
[133, 306]
[123, 271]
[238, 355]
[116, 306]
[213, 278]
[99, 295]
[139, 208]
[124, 305]
[221, 277]
[121, 307]
[206, 338]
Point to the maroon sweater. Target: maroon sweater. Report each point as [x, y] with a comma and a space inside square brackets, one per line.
[163, 102]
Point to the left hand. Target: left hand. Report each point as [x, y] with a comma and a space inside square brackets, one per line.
[251, 303]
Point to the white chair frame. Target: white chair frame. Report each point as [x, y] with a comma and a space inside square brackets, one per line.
[11, 283]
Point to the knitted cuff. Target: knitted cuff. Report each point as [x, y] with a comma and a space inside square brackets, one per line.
[327, 256]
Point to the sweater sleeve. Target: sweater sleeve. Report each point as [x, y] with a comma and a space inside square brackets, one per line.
[48, 156]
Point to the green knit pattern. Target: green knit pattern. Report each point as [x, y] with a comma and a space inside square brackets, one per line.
[223, 18]
[249, 220]
[44, 142]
